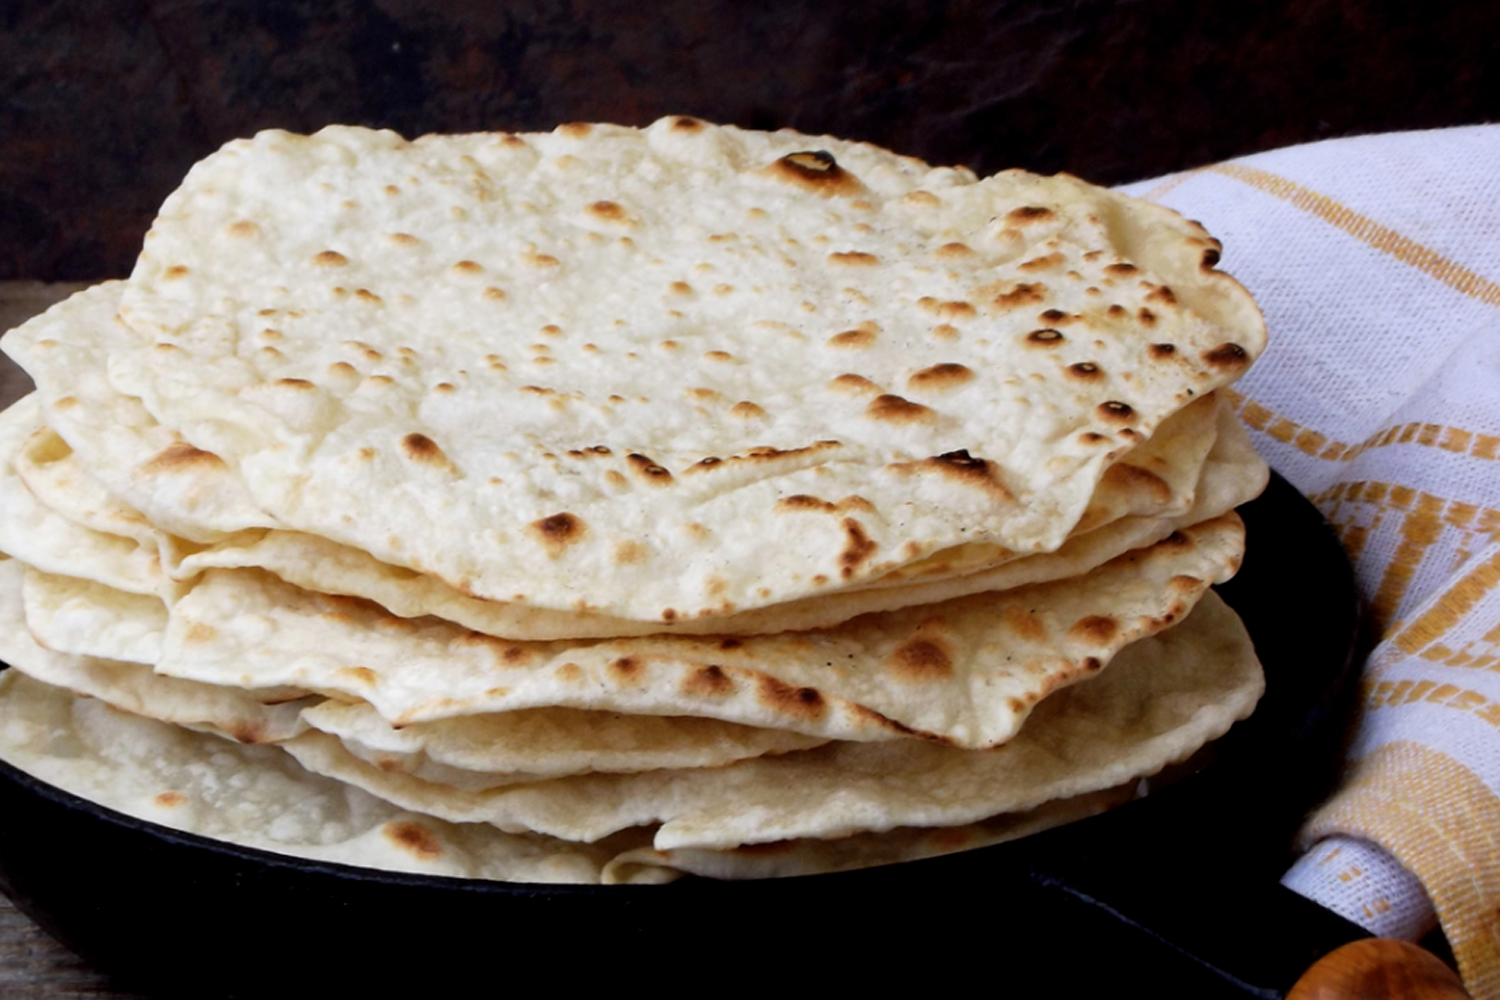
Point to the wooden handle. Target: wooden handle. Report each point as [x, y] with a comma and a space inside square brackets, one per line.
[1379, 969]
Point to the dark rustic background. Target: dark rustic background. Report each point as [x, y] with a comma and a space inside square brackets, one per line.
[104, 105]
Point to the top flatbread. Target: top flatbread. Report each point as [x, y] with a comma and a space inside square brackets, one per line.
[665, 373]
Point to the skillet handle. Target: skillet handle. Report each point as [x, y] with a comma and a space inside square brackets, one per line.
[1379, 969]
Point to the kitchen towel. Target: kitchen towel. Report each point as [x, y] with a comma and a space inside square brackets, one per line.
[1376, 261]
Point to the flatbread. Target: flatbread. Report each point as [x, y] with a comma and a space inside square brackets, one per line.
[508, 748]
[260, 797]
[1134, 506]
[817, 856]
[149, 467]
[263, 716]
[965, 671]
[71, 615]
[257, 796]
[377, 394]
[1232, 473]
[611, 503]
[43, 538]
[103, 643]
[1165, 697]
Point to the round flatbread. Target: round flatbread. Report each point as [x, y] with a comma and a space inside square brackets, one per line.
[662, 373]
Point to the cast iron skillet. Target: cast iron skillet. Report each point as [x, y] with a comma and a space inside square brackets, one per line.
[1177, 891]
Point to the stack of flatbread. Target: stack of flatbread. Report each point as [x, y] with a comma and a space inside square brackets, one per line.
[608, 504]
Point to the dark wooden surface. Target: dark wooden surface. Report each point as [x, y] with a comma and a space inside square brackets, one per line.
[34, 967]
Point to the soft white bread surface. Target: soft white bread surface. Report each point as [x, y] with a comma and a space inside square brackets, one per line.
[662, 373]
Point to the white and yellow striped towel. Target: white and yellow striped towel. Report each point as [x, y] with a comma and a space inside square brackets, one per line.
[1377, 263]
